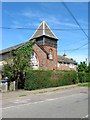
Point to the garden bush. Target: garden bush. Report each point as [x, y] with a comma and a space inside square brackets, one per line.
[83, 77]
[38, 79]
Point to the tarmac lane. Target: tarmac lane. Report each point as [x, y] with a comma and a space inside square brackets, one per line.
[71, 103]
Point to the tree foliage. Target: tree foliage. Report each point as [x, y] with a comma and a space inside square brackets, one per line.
[21, 56]
[8, 70]
[88, 68]
[82, 67]
[16, 69]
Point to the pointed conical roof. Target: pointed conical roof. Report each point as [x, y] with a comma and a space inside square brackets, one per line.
[64, 55]
[43, 29]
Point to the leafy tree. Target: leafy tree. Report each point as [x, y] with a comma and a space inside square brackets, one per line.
[82, 67]
[88, 68]
[20, 62]
[8, 69]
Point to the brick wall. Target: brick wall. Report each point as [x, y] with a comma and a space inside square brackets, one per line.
[51, 64]
[42, 56]
[66, 67]
[44, 62]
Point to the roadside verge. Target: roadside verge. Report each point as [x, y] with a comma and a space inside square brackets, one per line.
[23, 93]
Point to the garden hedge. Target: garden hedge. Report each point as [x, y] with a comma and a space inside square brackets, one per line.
[38, 79]
[83, 77]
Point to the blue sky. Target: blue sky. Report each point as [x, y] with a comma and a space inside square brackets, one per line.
[31, 14]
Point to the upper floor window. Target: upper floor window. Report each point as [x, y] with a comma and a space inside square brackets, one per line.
[51, 54]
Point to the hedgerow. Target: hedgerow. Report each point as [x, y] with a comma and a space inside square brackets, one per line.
[38, 79]
[83, 77]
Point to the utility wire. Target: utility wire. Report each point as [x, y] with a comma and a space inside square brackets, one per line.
[74, 19]
[62, 29]
[79, 47]
[42, 29]
[74, 42]
[76, 48]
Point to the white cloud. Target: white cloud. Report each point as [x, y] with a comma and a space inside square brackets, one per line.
[55, 21]
[28, 14]
[50, 19]
[79, 58]
[31, 14]
[83, 21]
[16, 24]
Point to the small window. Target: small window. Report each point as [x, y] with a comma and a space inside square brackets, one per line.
[34, 60]
[58, 64]
[50, 55]
[70, 65]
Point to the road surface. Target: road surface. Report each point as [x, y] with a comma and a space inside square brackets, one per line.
[68, 103]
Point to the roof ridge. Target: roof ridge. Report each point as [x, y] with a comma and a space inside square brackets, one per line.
[43, 27]
[66, 59]
[13, 47]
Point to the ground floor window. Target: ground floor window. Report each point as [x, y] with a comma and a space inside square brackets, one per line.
[34, 60]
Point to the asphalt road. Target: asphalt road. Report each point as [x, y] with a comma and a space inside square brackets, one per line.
[71, 103]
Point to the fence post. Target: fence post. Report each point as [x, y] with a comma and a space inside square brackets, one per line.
[6, 86]
[14, 85]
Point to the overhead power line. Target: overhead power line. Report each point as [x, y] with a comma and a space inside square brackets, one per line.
[71, 50]
[79, 47]
[75, 19]
[71, 29]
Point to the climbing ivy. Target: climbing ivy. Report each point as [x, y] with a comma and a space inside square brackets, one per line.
[20, 63]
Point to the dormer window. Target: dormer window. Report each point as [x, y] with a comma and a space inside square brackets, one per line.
[50, 54]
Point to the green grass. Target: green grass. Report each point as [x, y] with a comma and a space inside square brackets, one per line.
[84, 84]
[22, 95]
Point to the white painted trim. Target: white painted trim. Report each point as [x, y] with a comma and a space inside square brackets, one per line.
[43, 27]
[35, 31]
[43, 24]
[51, 31]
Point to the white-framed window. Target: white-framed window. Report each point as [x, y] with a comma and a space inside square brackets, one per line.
[34, 60]
[58, 64]
[50, 54]
[66, 64]
[71, 65]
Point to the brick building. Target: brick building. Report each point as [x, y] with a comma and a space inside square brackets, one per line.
[44, 55]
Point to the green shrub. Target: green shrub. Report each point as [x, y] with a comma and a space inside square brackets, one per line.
[83, 77]
[8, 71]
[38, 79]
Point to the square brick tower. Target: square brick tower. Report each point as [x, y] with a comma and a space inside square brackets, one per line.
[46, 39]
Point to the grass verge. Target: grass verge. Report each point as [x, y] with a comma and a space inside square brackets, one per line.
[84, 84]
[22, 95]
